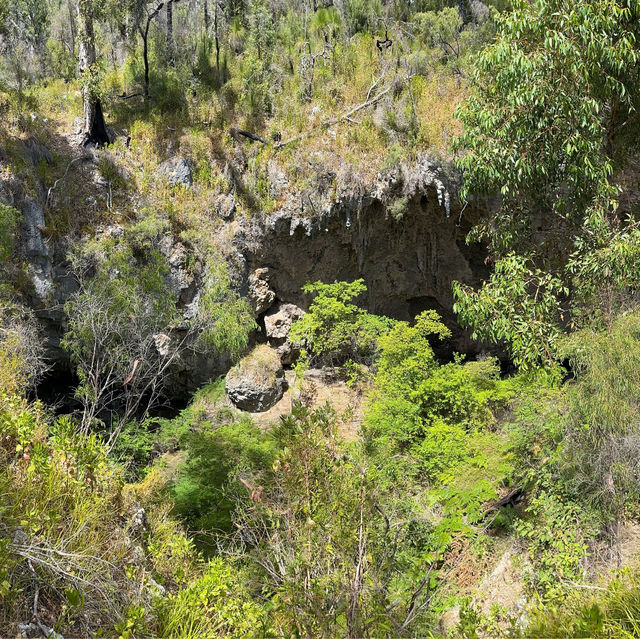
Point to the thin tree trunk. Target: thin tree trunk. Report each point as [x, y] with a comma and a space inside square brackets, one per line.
[206, 16]
[144, 34]
[217, 38]
[145, 58]
[171, 53]
[72, 28]
[93, 125]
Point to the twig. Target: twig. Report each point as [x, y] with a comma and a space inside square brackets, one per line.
[375, 84]
[586, 586]
[55, 184]
[509, 499]
[344, 117]
[462, 211]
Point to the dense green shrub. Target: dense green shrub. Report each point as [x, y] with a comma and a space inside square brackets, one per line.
[424, 409]
[217, 454]
[518, 306]
[65, 528]
[214, 606]
[324, 544]
[362, 16]
[335, 329]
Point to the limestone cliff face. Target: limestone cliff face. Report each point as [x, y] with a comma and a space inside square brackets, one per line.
[404, 234]
[407, 263]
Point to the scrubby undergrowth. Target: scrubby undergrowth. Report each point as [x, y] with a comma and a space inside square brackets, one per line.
[396, 517]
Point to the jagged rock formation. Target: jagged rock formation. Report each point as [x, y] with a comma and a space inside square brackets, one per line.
[277, 324]
[408, 261]
[404, 234]
[176, 171]
[34, 152]
[261, 295]
[37, 250]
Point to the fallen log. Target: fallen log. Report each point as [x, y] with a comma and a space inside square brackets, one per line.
[247, 134]
[510, 499]
[345, 117]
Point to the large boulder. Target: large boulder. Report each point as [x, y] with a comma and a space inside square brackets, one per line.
[225, 206]
[257, 382]
[177, 170]
[183, 272]
[277, 325]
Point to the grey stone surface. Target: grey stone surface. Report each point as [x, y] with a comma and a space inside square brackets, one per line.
[35, 152]
[225, 206]
[277, 326]
[261, 295]
[177, 170]
[340, 228]
[257, 382]
[181, 277]
[35, 248]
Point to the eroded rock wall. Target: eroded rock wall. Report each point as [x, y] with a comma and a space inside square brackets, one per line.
[404, 234]
[408, 264]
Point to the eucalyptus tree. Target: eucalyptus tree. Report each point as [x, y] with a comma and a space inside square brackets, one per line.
[24, 29]
[553, 94]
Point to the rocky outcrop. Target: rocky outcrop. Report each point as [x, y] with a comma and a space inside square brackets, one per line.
[338, 229]
[35, 248]
[261, 295]
[225, 206]
[277, 324]
[177, 170]
[408, 260]
[34, 152]
[184, 275]
[257, 382]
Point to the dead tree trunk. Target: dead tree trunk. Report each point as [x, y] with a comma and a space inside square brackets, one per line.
[93, 126]
[72, 29]
[171, 52]
[216, 34]
[144, 34]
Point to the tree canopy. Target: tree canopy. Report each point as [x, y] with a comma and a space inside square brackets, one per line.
[549, 125]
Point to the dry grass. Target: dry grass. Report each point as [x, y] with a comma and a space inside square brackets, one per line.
[260, 366]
